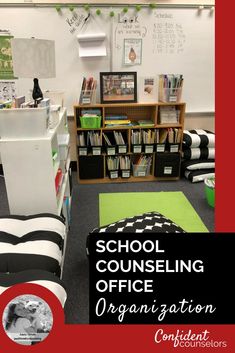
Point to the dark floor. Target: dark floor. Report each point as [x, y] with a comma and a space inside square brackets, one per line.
[85, 216]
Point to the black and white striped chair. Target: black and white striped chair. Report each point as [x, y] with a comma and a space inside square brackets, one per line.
[32, 243]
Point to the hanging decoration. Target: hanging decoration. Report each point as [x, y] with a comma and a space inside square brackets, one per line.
[87, 7]
[58, 8]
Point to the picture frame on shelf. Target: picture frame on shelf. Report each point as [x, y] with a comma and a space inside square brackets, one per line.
[148, 89]
[118, 87]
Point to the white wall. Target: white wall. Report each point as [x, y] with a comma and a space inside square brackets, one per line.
[205, 2]
[200, 122]
[191, 122]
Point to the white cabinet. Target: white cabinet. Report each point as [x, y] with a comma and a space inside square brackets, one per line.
[32, 166]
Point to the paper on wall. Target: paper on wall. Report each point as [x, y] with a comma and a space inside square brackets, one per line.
[92, 44]
[33, 57]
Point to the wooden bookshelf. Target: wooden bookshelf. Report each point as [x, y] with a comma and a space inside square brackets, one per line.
[134, 113]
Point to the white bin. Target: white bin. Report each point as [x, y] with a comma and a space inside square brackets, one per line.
[24, 122]
[56, 97]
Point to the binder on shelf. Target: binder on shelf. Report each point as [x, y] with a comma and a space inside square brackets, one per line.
[115, 143]
[174, 137]
[136, 141]
[110, 148]
[95, 140]
[82, 144]
[120, 142]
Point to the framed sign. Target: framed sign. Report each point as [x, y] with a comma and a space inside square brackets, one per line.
[132, 51]
[118, 87]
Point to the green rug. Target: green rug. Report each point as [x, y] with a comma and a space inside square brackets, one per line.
[173, 205]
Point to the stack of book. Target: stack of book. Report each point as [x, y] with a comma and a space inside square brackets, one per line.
[117, 137]
[174, 135]
[113, 163]
[125, 163]
[169, 115]
[136, 137]
[148, 136]
[146, 122]
[117, 120]
[161, 135]
[94, 138]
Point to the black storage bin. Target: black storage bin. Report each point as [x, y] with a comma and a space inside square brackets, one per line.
[91, 167]
[167, 164]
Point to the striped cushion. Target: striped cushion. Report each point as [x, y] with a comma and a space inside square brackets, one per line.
[199, 175]
[31, 242]
[43, 278]
[199, 153]
[21, 225]
[195, 164]
[198, 138]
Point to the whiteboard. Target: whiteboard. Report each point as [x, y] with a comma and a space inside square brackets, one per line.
[175, 40]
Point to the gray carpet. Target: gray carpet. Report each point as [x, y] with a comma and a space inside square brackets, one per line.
[85, 217]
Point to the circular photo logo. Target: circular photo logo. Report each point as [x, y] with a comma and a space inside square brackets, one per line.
[27, 319]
